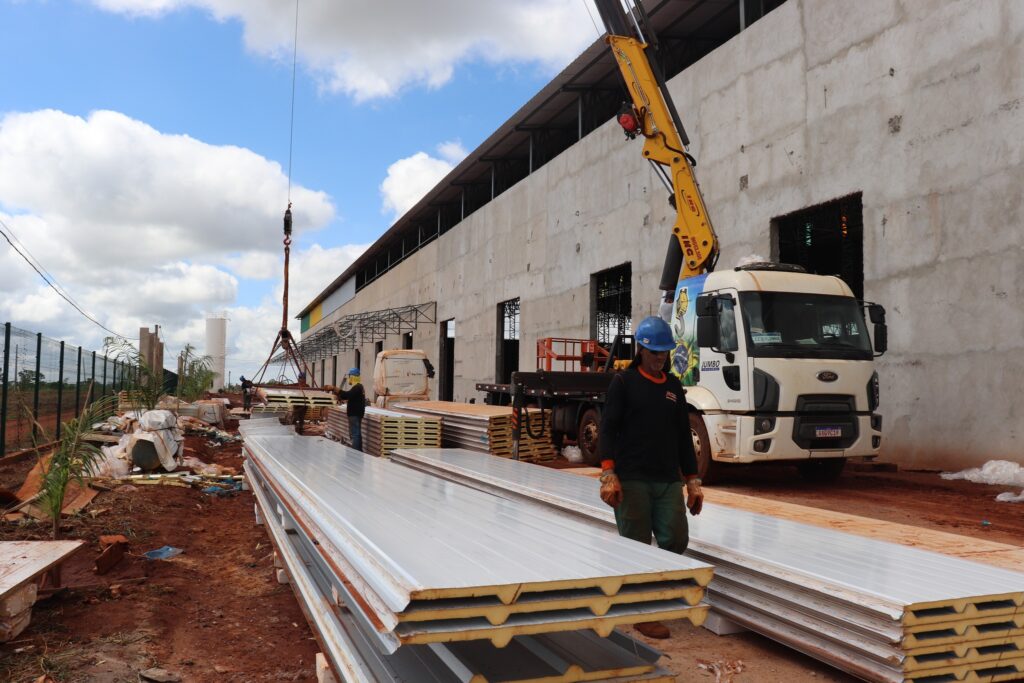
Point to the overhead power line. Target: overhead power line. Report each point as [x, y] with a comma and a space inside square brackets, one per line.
[8, 234]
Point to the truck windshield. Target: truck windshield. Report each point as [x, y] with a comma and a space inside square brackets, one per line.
[796, 325]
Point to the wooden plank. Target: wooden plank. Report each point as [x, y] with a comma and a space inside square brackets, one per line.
[22, 561]
[955, 545]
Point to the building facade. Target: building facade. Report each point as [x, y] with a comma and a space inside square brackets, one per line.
[880, 140]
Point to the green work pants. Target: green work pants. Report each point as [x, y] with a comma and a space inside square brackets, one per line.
[653, 507]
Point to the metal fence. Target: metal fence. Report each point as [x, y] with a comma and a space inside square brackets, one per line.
[44, 382]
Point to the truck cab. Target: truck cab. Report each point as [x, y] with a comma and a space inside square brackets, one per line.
[778, 365]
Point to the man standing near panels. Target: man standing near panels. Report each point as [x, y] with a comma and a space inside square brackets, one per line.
[647, 451]
[356, 408]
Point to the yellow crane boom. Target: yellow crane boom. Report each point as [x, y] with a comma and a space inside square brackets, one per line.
[693, 248]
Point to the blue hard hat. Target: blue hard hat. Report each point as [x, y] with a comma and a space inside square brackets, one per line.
[353, 371]
[654, 334]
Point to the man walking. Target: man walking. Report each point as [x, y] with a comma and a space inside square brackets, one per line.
[355, 408]
[647, 450]
[246, 393]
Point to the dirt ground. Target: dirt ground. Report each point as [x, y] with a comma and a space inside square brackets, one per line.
[215, 613]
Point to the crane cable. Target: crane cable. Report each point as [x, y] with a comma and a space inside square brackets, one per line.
[291, 124]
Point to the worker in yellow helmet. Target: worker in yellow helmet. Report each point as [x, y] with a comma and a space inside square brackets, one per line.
[355, 396]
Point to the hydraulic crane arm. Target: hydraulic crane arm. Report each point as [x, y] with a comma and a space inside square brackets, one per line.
[693, 247]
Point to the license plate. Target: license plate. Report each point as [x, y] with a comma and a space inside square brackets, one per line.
[828, 432]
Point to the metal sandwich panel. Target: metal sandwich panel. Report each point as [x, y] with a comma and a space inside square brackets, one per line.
[596, 602]
[451, 631]
[964, 631]
[456, 630]
[555, 658]
[915, 586]
[375, 514]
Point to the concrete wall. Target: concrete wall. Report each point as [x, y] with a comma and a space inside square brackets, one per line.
[915, 104]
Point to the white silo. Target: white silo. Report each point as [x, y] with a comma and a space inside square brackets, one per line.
[216, 347]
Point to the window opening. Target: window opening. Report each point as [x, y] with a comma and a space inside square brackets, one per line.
[611, 304]
[827, 239]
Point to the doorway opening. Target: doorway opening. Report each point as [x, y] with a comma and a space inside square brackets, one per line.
[827, 239]
[611, 304]
[407, 340]
[507, 341]
[446, 355]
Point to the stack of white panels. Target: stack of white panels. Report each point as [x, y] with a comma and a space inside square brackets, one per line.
[421, 562]
[878, 610]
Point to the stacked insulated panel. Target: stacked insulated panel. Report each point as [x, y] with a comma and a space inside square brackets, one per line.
[385, 430]
[417, 568]
[878, 610]
[487, 429]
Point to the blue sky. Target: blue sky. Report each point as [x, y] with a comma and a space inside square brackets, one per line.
[122, 209]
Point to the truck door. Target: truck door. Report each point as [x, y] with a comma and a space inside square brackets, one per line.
[723, 369]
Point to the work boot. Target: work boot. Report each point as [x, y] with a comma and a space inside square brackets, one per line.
[653, 629]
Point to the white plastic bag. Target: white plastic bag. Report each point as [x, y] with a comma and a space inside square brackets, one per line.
[573, 454]
[996, 473]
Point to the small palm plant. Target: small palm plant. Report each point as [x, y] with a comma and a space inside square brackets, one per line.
[196, 376]
[73, 459]
[145, 384]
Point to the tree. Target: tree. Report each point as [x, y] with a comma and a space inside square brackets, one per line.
[196, 374]
[26, 378]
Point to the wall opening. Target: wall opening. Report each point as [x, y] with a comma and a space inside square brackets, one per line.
[377, 348]
[407, 340]
[507, 341]
[446, 356]
[827, 239]
[611, 303]
[357, 360]
[334, 370]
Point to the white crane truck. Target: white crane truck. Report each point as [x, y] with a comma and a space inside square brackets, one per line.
[778, 364]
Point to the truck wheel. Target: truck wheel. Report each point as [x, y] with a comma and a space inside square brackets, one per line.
[821, 470]
[587, 435]
[706, 467]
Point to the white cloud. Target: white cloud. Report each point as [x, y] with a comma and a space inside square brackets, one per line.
[144, 228]
[372, 50]
[410, 178]
[255, 265]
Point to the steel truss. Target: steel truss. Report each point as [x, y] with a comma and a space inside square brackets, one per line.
[353, 330]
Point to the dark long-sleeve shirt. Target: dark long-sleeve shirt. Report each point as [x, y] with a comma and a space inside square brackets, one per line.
[356, 397]
[645, 428]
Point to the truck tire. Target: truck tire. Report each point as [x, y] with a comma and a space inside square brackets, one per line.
[821, 470]
[587, 436]
[706, 467]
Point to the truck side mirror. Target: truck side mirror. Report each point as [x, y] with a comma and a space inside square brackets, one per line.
[708, 332]
[706, 305]
[876, 312]
[881, 338]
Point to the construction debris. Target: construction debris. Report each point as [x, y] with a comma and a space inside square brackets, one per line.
[996, 473]
[22, 563]
[880, 611]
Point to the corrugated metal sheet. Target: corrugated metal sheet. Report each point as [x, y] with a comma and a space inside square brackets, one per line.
[343, 632]
[878, 610]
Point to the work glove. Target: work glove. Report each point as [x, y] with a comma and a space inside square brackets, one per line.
[611, 489]
[694, 496]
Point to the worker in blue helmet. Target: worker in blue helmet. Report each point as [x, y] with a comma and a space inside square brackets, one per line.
[647, 450]
[355, 396]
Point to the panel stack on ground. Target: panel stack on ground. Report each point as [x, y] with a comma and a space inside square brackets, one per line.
[399, 571]
[878, 610]
[385, 430]
[487, 429]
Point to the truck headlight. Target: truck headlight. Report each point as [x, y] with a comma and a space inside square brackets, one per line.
[873, 392]
[763, 425]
